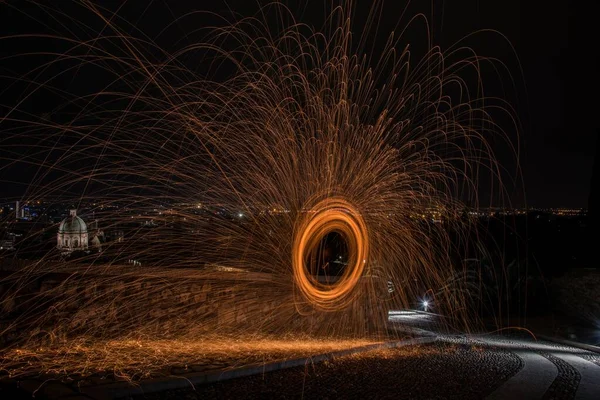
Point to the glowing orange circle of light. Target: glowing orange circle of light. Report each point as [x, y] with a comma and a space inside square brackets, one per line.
[330, 215]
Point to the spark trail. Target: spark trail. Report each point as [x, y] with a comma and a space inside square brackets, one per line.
[242, 173]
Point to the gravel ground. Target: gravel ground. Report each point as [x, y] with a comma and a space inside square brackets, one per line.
[452, 368]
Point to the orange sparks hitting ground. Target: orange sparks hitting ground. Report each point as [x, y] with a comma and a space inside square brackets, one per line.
[218, 168]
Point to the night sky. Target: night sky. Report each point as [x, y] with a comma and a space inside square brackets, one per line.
[556, 96]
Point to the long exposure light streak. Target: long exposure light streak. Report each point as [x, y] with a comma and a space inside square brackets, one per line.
[225, 182]
[330, 215]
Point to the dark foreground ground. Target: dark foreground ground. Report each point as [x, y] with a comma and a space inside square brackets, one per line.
[450, 368]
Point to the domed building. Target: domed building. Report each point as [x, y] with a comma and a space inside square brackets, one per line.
[72, 234]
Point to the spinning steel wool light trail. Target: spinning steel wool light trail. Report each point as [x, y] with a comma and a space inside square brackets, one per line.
[234, 164]
[330, 215]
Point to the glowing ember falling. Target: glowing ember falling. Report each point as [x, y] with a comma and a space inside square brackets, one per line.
[144, 358]
[227, 186]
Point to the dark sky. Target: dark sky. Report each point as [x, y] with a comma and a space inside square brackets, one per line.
[556, 96]
[555, 46]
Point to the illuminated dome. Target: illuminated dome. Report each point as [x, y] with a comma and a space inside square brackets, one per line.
[72, 234]
[72, 224]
